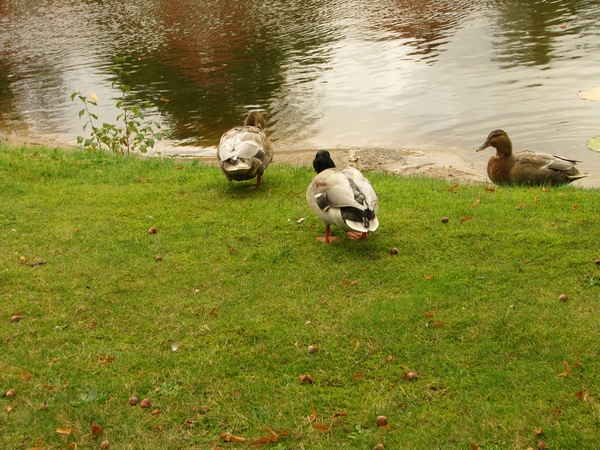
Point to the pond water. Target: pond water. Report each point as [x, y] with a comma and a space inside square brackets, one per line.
[431, 75]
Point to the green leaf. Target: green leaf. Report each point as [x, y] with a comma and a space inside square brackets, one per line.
[594, 144]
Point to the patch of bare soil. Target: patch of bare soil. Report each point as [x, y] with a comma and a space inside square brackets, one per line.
[443, 165]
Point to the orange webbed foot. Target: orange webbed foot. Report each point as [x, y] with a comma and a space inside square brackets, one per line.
[328, 240]
[354, 235]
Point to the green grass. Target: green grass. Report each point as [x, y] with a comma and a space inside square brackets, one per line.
[244, 289]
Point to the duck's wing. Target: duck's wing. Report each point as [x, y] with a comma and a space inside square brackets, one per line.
[243, 142]
[561, 163]
[333, 189]
[542, 161]
[363, 191]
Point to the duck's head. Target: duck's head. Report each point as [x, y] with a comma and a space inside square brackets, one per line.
[499, 140]
[255, 119]
[322, 161]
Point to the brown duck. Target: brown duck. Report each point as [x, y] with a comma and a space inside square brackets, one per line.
[527, 166]
[245, 152]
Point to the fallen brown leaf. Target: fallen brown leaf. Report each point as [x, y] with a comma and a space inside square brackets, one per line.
[341, 414]
[26, 376]
[321, 427]
[476, 203]
[273, 434]
[582, 395]
[429, 316]
[564, 374]
[228, 437]
[389, 358]
[313, 415]
[453, 188]
[67, 431]
[538, 431]
[96, 430]
[490, 190]
[466, 219]
[574, 207]
[357, 376]
[306, 379]
[439, 324]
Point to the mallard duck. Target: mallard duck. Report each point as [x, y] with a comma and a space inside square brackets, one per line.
[342, 197]
[245, 152]
[526, 166]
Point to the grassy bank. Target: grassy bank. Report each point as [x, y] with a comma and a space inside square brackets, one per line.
[224, 320]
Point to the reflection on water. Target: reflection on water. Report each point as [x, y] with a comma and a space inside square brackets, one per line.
[420, 74]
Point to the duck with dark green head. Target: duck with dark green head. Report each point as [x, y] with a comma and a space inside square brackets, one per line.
[342, 197]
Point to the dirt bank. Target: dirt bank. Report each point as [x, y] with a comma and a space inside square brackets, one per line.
[445, 165]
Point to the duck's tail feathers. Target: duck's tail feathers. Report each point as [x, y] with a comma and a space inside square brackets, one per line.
[578, 176]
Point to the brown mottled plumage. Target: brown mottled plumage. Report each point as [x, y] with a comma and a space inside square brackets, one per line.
[527, 166]
[245, 152]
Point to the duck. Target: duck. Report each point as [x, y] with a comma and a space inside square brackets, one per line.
[528, 167]
[342, 197]
[245, 152]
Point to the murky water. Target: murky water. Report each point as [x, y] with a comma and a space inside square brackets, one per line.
[432, 75]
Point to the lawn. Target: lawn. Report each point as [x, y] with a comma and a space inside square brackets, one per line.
[460, 340]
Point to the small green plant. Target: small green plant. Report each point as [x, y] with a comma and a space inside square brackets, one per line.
[131, 134]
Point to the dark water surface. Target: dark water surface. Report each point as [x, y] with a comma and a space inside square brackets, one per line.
[433, 75]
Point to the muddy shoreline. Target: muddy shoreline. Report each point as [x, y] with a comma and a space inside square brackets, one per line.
[403, 162]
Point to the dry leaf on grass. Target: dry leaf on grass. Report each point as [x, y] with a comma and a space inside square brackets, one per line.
[566, 372]
[66, 431]
[306, 378]
[313, 415]
[228, 437]
[96, 430]
[26, 376]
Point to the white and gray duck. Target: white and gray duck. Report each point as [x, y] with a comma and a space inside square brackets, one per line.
[245, 152]
[342, 197]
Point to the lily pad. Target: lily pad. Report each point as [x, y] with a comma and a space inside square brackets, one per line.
[594, 144]
[593, 94]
